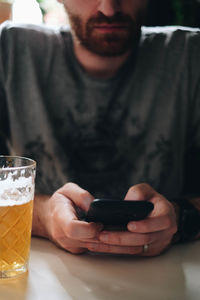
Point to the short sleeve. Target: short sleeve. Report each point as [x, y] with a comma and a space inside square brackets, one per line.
[4, 124]
[4, 120]
[192, 154]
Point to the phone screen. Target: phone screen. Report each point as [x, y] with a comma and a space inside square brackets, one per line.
[118, 212]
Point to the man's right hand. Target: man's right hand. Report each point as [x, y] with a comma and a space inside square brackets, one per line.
[56, 218]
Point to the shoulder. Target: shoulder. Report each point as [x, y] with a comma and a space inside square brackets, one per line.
[175, 35]
[175, 43]
[35, 35]
[157, 31]
[28, 46]
[179, 48]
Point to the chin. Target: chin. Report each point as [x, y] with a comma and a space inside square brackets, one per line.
[105, 49]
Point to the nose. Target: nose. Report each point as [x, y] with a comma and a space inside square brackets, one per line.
[109, 7]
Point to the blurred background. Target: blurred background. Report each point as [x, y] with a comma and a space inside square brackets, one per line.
[160, 12]
[174, 12]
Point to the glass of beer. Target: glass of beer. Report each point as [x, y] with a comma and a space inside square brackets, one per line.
[17, 184]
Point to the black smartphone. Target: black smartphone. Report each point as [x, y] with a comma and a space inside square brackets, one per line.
[118, 212]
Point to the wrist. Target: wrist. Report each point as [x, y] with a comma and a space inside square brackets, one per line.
[188, 220]
[39, 223]
[176, 237]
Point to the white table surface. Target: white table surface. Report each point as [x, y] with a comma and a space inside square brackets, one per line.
[56, 274]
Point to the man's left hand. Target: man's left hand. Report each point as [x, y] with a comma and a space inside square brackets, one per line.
[148, 237]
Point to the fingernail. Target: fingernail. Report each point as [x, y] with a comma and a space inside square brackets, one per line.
[93, 246]
[104, 237]
[100, 226]
[87, 202]
[132, 226]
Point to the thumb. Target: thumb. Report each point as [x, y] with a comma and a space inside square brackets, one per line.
[140, 192]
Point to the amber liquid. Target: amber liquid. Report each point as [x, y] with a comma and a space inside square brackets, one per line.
[15, 235]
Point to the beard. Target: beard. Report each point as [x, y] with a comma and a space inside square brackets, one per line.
[107, 44]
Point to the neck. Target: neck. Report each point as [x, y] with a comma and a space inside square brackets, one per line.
[98, 66]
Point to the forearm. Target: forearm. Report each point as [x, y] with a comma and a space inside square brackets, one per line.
[40, 215]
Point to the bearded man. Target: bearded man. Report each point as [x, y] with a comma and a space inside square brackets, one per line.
[107, 108]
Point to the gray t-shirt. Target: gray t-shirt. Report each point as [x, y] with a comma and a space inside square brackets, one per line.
[142, 125]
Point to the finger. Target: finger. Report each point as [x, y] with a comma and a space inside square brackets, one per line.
[65, 216]
[67, 243]
[105, 248]
[162, 217]
[71, 246]
[82, 230]
[161, 206]
[79, 196]
[153, 225]
[75, 249]
[156, 248]
[141, 191]
[130, 239]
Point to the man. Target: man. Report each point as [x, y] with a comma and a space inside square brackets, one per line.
[103, 110]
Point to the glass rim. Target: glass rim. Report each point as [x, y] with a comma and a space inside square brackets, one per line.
[32, 163]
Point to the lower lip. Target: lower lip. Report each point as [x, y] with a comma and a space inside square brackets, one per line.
[110, 28]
